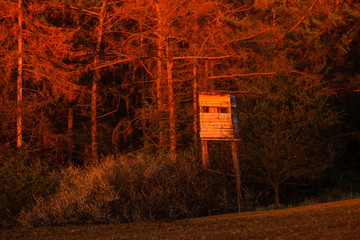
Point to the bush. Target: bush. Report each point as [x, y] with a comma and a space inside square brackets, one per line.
[126, 189]
[21, 183]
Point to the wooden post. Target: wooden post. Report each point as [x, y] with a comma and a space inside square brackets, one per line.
[236, 172]
[205, 154]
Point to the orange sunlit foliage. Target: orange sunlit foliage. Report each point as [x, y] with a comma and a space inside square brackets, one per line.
[117, 76]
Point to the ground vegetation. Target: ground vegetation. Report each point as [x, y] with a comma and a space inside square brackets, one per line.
[84, 81]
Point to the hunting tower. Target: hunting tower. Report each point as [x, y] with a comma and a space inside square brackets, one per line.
[218, 119]
[218, 122]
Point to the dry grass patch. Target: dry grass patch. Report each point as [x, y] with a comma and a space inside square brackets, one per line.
[126, 189]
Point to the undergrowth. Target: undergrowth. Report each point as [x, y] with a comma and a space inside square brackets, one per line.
[21, 182]
[131, 188]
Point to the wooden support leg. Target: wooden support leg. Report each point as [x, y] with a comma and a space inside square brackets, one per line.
[237, 172]
[224, 154]
[205, 154]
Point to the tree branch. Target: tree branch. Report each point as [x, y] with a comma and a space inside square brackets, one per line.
[301, 19]
[115, 62]
[206, 58]
[243, 75]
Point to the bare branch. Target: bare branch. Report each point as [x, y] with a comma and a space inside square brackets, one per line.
[252, 36]
[243, 75]
[219, 172]
[206, 58]
[76, 8]
[302, 19]
[115, 62]
[109, 113]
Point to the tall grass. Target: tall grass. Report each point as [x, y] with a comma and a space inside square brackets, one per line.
[130, 188]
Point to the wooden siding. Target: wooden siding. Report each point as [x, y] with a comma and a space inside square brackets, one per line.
[215, 124]
[220, 100]
[212, 130]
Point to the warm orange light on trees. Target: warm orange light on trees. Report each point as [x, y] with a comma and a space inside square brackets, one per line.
[19, 127]
[126, 74]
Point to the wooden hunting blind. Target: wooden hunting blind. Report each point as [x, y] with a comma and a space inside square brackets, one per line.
[218, 122]
[217, 116]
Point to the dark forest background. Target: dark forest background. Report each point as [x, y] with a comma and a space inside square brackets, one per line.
[85, 81]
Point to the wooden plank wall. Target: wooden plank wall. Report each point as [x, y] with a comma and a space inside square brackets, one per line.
[214, 124]
[218, 100]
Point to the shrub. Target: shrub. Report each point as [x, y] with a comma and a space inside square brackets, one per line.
[21, 183]
[128, 188]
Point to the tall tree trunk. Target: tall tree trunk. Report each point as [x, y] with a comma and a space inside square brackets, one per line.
[172, 116]
[143, 119]
[206, 85]
[19, 127]
[235, 158]
[70, 130]
[276, 192]
[195, 102]
[94, 97]
[70, 120]
[159, 80]
[94, 91]
[275, 170]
